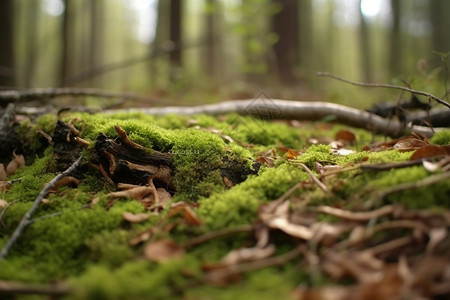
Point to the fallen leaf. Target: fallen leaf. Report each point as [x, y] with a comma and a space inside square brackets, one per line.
[4, 186]
[409, 144]
[135, 218]
[430, 151]
[346, 135]
[141, 237]
[188, 213]
[163, 250]
[291, 153]
[2, 173]
[3, 204]
[248, 254]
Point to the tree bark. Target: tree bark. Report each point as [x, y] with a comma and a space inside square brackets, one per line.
[395, 51]
[176, 32]
[365, 50]
[7, 71]
[286, 25]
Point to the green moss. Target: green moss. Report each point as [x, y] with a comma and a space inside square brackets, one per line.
[135, 280]
[239, 204]
[441, 137]
[387, 156]
[322, 154]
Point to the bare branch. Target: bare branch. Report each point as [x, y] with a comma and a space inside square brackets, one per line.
[383, 85]
[288, 110]
[18, 96]
[26, 220]
[14, 288]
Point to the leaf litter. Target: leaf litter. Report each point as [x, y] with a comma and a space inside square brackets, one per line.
[380, 252]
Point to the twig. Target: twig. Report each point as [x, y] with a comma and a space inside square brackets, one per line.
[322, 186]
[4, 210]
[219, 233]
[26, 220]
[394, 165]
[17, 96]
[13, 288]
[383, 85]
[407, 186]
[279, 260]
[356, 216]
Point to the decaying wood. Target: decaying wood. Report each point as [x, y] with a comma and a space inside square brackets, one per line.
[127, 162]
[292, 110]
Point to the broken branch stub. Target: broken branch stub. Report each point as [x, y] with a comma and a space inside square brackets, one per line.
[127, 162]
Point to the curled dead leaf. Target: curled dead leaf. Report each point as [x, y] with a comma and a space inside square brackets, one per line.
[2, 173]
[135, 218]
[163, 250]
[430, 151]
[346, 135]
[3, 204]
[188, 213]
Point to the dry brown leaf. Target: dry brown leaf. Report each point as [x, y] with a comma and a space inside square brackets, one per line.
[11, 167]
[135, 218]
[292, 154]
[2, 173]
[163, 250]
[248, 254]
[141, 237]
[4, 186]
[409, 144]
[138, 193]
[3, 204]
[346, 135]
[188, 213]
[430, 151]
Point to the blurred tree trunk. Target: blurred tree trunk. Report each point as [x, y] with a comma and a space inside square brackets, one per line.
[7, 72]
[440, 19]
[305, 34]
[286, 25]
[32, 41]
[365, 50]
[175, 32]
[213, 39]
[395, 50]
[96, 33]
[65, 65]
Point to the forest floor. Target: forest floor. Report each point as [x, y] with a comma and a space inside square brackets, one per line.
[221, 207]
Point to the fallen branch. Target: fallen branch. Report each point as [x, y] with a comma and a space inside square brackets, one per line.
[20, 96]
[383, 85]
[14, 288]
[291, 110]
[26, 220]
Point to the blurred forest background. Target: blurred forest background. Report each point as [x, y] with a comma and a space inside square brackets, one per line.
[199, 51]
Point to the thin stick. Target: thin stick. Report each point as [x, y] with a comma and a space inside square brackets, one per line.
[430, 180]
[26, 220]
[4, 210]
[356, 216]
[384, 85]
[279, 260]
[322, 186]
[219, 233]
[14, 288]
[17, 96]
